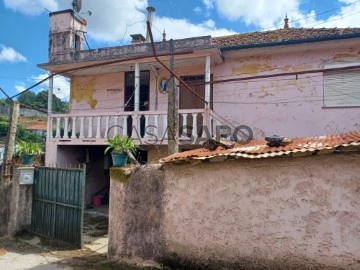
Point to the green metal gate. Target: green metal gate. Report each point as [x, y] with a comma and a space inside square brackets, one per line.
[58, 203]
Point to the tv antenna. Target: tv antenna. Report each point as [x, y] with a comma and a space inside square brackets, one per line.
[76, 5]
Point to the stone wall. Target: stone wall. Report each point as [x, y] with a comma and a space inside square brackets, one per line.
[278, 213]
[135, 213]
[5, 199]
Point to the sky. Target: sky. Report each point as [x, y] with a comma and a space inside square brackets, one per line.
[24, 29]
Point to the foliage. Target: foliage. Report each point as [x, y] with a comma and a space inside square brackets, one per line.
[21, 134]
[120, 144]
[28, 148]
[4, 102]
[24, 135]
[40, 101]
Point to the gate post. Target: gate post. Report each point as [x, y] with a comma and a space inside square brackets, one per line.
[20, 206]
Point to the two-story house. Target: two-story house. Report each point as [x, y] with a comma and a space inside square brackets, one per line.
[290, 82]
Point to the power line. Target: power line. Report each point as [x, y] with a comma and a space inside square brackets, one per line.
[315, 15]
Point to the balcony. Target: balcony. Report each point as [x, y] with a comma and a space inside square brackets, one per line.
[144, 127]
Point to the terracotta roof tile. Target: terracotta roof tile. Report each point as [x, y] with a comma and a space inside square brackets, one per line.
[282, 35]
[41, 126]
[259, 149]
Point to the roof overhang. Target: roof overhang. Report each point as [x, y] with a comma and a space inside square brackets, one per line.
[115, 59]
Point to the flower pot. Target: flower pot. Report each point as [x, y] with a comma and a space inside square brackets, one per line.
[119, 159]
[27, 159]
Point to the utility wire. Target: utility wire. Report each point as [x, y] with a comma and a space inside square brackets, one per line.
[314, 15]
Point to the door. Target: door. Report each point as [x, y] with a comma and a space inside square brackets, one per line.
[58, 203]
[188, 100]
[129, 97]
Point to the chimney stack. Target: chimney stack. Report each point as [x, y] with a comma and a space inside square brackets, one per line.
[150, 10]
[137, 39]
[286, 22]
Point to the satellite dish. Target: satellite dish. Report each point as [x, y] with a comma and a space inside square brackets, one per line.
[76, 5]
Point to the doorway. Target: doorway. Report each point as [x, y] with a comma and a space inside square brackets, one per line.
[188, 100]
[129, 97]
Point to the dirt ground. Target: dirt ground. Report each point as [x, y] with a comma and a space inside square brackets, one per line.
[28, 251]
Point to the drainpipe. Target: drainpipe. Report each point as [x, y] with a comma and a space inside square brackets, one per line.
[149, 18]
[207, 80]
[137, 87]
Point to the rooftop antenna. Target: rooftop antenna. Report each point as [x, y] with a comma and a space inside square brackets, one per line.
[76, 5]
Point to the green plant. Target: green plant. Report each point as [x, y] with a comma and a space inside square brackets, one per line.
[120, 144]
[28, 148]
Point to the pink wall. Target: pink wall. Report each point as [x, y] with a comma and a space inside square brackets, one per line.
[277, 212]
[283, 105]
[97, 93]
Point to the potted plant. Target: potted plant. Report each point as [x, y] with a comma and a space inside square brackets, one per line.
[121, 147]
[27, 151]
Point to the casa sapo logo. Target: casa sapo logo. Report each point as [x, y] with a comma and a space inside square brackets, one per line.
[150, 134]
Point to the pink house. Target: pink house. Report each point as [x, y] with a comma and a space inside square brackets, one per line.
[290, 82]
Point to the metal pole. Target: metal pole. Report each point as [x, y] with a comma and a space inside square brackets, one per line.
[207, 80]
[137, 87]
[50, 93]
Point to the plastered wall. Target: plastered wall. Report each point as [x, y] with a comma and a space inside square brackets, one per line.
[278, 213]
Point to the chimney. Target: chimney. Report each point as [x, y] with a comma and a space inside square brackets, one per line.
[149, 18]
[137, 39]
[286, 22]
[164, 36]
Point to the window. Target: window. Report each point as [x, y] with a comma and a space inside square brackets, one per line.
[342, 88]
[77, 43]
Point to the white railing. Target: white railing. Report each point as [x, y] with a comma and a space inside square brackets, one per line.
[143, 126]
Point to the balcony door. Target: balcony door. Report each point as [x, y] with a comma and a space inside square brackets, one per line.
[188, 100]
[129, 95]
[129, 98]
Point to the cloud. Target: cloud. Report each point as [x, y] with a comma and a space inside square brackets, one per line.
[198, 10]
[61, 85]
[347, 16]
[259, 13]
[209, 4]
[33, 7]
[265, 16]
[8, 54]
[20, 88]
[115, 21]
[182, 28]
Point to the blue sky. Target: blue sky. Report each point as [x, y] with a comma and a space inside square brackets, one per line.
[25, 25]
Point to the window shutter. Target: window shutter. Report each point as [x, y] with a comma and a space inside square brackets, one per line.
[342, 88]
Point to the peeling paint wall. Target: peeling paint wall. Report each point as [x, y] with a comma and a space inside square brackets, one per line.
[288, 106]
[278, 213]
[96, 93]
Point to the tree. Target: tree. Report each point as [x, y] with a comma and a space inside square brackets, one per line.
[27, 98]
[40, 101]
